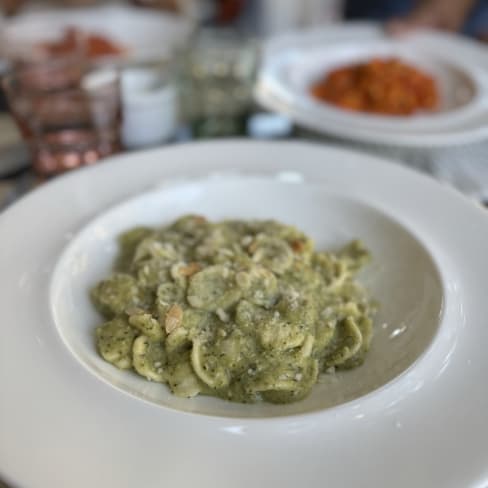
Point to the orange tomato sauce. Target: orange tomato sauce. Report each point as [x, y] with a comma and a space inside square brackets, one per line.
[381, 86]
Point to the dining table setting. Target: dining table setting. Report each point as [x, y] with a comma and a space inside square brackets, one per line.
[243, 243]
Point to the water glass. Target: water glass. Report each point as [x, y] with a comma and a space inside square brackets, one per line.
[220, 69]
[68, 114]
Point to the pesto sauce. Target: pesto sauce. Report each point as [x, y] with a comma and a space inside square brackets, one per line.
[242, 310]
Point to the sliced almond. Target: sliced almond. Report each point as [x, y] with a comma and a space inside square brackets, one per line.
[246, 240]
[252, 247]
[134, 311]
[222, 315]
[190, 269]
[199, 219]
[297, 246]
[173, 319]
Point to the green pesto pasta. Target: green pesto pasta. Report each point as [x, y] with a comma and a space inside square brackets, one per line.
[242, 310]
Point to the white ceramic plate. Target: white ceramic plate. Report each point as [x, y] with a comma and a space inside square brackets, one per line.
[406, 280]
[413, 415]
[293, 63]
[146, 34]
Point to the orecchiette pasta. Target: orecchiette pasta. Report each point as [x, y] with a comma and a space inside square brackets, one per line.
[241, 310]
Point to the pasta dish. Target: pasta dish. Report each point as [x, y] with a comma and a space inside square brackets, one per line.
[381, 86]
[241, 310]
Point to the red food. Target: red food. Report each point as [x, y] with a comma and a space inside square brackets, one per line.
[92, 45]
[382, 86]
[101, 46]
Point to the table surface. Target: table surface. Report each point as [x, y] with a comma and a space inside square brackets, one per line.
[463, 167]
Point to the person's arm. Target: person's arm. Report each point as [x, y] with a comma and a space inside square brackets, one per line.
[437, 14]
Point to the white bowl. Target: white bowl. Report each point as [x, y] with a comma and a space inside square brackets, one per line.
[293, 63]
[403, 278]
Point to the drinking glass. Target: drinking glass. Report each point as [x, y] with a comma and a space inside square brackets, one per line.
[220, 68]
[68, 114]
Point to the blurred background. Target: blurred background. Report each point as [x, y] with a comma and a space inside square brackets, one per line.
[86, 79]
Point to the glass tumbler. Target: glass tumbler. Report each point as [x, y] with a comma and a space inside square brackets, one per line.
[219, 68]
[69, 114]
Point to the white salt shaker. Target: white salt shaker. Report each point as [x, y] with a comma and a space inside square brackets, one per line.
[150, 108]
